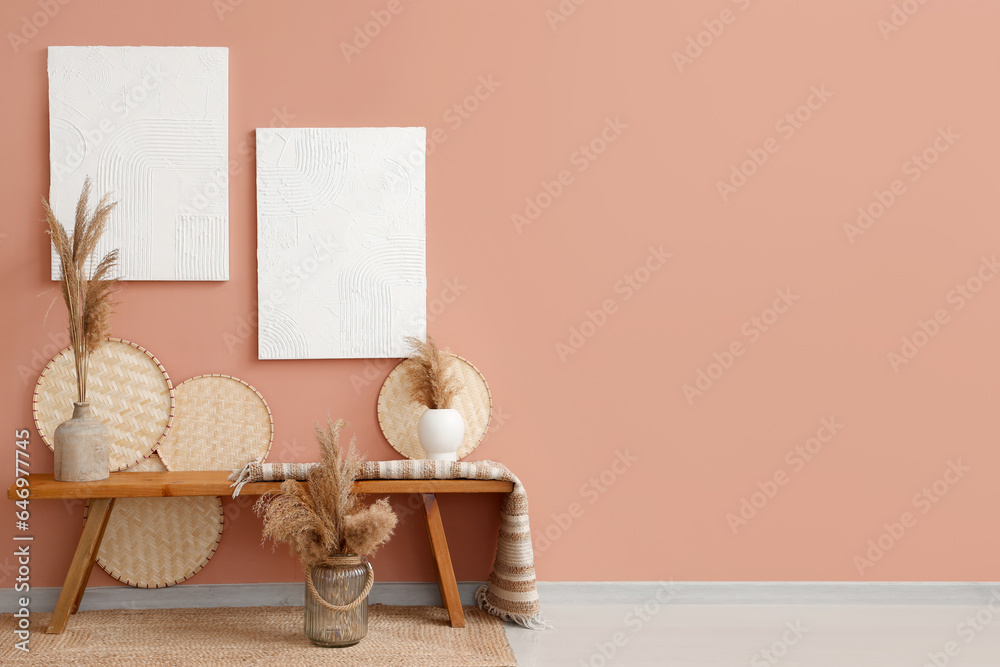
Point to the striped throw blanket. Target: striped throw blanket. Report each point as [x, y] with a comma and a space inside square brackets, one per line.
[511, 593]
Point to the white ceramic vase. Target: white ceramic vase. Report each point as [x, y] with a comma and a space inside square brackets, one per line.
[441, 433]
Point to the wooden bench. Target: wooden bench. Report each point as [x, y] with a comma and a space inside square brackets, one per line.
[102, 497]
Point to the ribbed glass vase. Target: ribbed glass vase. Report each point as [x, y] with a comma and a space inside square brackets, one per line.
[342, 581]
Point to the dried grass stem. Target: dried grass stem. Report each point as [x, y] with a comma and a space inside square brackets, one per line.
[88, 300]
[431, 375]
[326, 517]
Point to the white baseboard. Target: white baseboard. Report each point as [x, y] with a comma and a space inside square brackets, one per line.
[224, 595]
[769, 592]
[551, 592]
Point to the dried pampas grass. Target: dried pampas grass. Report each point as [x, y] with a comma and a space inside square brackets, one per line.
[88, 300]
[431, 375]
[326, 517]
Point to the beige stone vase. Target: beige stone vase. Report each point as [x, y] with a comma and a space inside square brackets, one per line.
[82, 447]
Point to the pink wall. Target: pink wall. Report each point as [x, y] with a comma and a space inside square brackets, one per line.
[883, 98]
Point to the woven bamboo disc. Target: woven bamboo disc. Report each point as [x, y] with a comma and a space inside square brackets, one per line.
[127, 388]
[220, 423]
[398, 414]
[157, 542]
[151, 463]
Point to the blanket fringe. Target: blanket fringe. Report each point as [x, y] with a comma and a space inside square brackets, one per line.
[535, 622]
[240, 477]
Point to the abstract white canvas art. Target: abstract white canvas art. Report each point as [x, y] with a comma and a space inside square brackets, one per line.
[149, 124]
[341, 269]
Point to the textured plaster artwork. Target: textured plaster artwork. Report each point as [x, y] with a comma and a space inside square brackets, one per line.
[341, 263]
[148, 124]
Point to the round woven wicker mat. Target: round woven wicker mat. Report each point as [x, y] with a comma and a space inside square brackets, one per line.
[157, 542]
[398, 414]
[220, 423]
[151, 463]
[127, 388]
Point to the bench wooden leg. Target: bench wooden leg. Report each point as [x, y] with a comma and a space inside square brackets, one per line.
[82, 564]
[442, 561]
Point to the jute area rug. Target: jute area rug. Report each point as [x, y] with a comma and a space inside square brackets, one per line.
[397, 636]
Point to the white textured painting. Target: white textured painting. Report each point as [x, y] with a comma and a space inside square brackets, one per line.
[341, 266]
[149, 124]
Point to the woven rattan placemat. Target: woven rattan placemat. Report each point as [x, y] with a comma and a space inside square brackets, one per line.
[220, 423]
[127, 388]
[158, 542]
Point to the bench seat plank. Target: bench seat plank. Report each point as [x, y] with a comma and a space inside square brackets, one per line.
[216, 483]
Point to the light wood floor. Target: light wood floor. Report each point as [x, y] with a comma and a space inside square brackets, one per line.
[794, 635]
